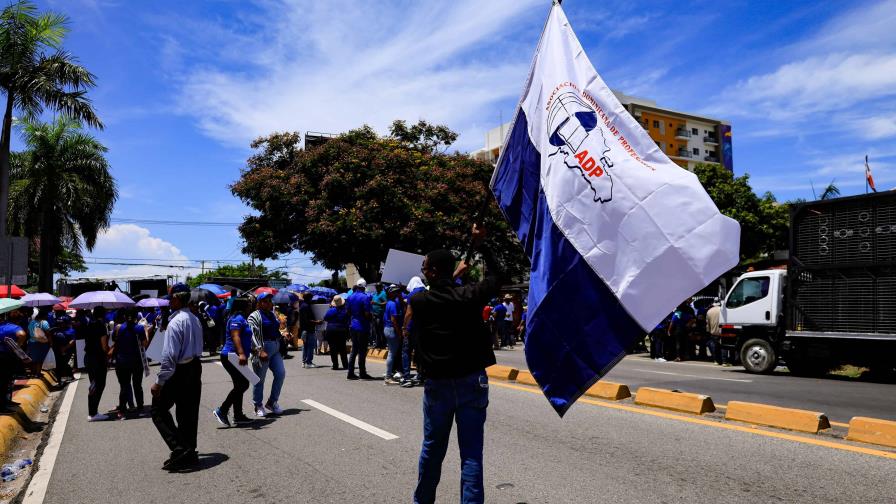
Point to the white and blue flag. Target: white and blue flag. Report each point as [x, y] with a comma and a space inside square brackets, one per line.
[618, 235]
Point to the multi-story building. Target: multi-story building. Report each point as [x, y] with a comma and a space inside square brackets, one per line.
[686, 138]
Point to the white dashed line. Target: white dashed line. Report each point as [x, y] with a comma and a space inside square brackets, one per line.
[376, 431]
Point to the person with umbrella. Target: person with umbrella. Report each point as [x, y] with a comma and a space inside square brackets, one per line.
[96, 355]
[266, 337]
[129, 336]
[11, 335]
[179, 382]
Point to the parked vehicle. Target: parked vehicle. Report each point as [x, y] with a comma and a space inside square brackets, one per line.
[835, 303]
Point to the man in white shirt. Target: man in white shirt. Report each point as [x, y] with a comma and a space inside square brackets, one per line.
[509, 334]
[179, 382]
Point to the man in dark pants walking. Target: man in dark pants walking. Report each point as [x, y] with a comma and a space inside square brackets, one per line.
[179, 382]
[454, 349]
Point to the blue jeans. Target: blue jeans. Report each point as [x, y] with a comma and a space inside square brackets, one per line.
[309, 343]
[275, 362]
[393, 342]
[464, 401]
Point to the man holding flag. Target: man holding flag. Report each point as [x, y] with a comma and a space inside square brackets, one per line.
[602, 212]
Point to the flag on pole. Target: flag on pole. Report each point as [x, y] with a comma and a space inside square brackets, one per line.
[868, 178]
[618, 235]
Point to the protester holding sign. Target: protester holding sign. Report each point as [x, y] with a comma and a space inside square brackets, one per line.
[237, 339]
[129, 336]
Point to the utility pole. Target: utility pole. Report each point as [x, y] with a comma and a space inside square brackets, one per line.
[202, 261]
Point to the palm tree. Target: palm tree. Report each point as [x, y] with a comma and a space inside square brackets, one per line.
[36, 73]
[830, 192]
[61, 191]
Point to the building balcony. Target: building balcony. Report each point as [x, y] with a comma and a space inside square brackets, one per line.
[711, 139]
[682, 134]
[683, 153]
[711, 159]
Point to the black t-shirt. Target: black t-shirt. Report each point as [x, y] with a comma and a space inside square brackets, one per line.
[453, 341]
[93, 345]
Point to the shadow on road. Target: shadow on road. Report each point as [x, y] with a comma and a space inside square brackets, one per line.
[206, 461]
[292, 411]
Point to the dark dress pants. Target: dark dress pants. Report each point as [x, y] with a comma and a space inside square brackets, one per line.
[182, 390]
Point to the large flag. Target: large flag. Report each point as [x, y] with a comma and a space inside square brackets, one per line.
[868, 178]
[618, 235]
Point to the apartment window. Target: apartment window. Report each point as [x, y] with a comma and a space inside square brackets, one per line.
[695, 131]
[707, 152]
[659, 145]
[671, 146]
[670, 125]
[696, 151]
[656, 124]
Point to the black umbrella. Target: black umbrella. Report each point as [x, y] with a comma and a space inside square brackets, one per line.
[197, 295]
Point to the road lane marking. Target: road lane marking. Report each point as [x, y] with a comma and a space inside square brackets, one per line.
[376, 431]
[690, 375]
[719, 425]
[37, 487]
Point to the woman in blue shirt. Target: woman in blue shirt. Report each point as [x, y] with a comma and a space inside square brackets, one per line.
[38, 341]
[238, 340]
[266, 335]
[129, 337]
[393, 317]
[337, 320]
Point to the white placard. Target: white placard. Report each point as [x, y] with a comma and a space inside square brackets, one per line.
[401, 266]
[80, 353]
[154, 350]
[246, 370]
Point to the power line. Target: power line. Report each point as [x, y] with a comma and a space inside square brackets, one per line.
[121, 220]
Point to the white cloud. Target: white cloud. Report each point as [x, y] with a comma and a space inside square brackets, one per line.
[130, 241]
[875, 128]
[325, 66]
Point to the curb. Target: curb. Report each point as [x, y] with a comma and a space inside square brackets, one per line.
[609, 390]
[684, 402]
[872, 430]
[14, 425]
[776, 416]
[505, 373]
[526, 378]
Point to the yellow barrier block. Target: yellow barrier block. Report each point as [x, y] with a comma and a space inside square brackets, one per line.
[9, 429]
[684, 402]
[39, 385]
[526, 378]
[499, 372]
[609, 390]
[776, 416]
[872, 430]
[50, 378]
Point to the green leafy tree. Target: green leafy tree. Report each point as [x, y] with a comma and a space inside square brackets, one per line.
[242, 270]
[356, 196]
[36, 73]
[61, 192]
[763, 221]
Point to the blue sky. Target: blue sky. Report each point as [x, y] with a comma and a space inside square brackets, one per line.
[809, 88]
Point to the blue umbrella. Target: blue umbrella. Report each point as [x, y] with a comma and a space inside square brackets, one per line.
[284, 297]
[297, 288]
[215, 289]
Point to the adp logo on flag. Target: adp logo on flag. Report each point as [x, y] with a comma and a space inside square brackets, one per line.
[571, 126]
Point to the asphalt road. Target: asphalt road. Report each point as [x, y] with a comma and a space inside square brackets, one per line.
[839, 398]
[597, 453]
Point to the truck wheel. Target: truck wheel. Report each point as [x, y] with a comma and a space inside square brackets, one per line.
[758, 356]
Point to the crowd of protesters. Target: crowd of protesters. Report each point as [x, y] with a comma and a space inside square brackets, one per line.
[691, 332]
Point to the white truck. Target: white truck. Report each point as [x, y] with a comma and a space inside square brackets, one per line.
[836, 301]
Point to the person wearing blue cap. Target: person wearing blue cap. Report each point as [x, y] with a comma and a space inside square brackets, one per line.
[179, 382]
[266, 337]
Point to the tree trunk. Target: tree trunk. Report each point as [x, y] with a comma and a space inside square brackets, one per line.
[4, 163]
[47, 255]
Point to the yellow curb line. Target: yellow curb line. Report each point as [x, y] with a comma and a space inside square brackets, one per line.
[29, 398]
[710, 423]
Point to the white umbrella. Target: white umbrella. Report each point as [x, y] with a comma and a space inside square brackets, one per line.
[106, 299]
[40, 299]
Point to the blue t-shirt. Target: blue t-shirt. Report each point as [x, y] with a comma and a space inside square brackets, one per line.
[270, 326]
[237, 323]
[499, 312]
[34, 324]
[127, 340]
[8, 330]
[337, 319]
[379, 297]
[392, 310]
[358, 305]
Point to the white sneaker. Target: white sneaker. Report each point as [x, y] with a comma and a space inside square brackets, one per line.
[396, 376]
[274, 408]
[311, 365]
[660, 359]
[259, 412]
[99, 417]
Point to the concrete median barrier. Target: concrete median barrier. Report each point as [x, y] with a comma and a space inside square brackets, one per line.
[776, 416]
[609, 390]
[872, 430]
[30, 398]
[684, 402]
[526, 378]
[505, 373]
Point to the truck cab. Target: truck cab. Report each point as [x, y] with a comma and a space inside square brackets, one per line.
[752, 316]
